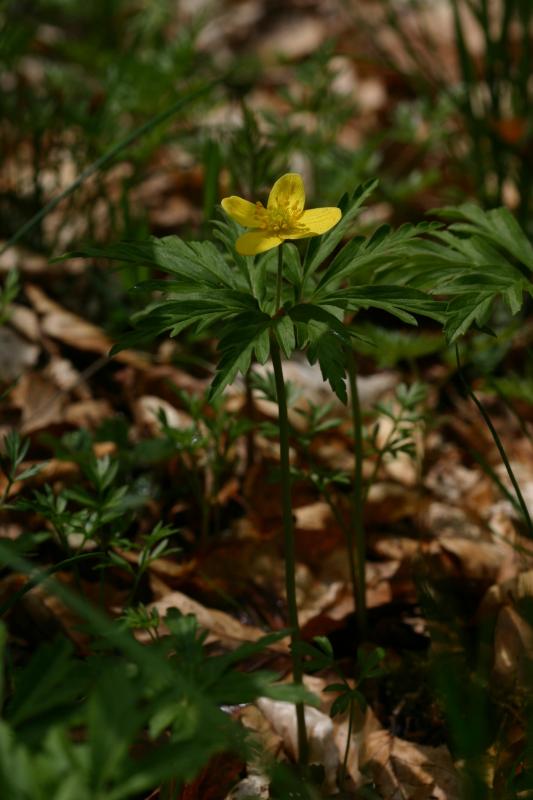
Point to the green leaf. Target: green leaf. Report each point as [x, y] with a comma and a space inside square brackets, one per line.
[284, 330]
[192, 263]
[321, 247]
[307, 312]
[113, 717]
[340, 704]
[189, 308]
[326, 347]
[498, 226]
[400, 301]
[236, 346]
[361, 260]
[50, 681]
[466, 310]
[292, 265]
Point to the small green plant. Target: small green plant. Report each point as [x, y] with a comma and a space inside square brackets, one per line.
[320, 656]
[69, 727]
[13, 453]
[156, 544]
[206, 452]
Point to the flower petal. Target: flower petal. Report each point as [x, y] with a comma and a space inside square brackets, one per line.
[288, 191]
[318, 220]
[256, 242]
[242, 211]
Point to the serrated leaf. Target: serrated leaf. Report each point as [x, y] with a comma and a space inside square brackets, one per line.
[284, 330]
[400, 301]
[198, 263]
[498, 226]
[327, 348]
[236, 347]
[292, 265]
[464, 311]
[262, 347]
[321, 248]
[361, 260]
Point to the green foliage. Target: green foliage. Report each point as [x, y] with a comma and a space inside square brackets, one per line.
[390, 346]
[404, 412]
[482, 257]
[164, 701]
[212, 290]
[8, 293]
[13, 453]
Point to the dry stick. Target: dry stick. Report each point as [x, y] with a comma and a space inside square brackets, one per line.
[497, 442]
[356, 539]
[288, 525]
[105, 159]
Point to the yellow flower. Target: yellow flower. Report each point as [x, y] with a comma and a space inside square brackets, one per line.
[283, 218]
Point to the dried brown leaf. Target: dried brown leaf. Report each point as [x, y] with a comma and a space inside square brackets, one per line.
[402, 770]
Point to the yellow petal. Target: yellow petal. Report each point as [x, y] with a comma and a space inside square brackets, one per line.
[242, 211]
[318, 220]
[256, 242]
[288, 191]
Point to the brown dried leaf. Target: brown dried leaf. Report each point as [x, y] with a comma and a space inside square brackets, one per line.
[74, 331]
[402, 770]
[221, 626]
[513, 647]
[16, 355]
[146, 411]
[320, 733]
[39, 400]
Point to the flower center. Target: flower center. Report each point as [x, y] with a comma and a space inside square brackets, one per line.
[283, 218]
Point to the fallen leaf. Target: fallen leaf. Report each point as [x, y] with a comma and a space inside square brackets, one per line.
[322, 747]
[16, 355]
[74, 331]
[40, 401]
[221, 626]
[146, 411]
[513, 648]
[402, 770]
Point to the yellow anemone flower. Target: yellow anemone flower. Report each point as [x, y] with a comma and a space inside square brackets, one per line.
[283, 218]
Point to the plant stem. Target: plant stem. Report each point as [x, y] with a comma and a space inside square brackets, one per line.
[344, 765]
[288, 530]
[279, 277]
[357, 528]
[498, 442]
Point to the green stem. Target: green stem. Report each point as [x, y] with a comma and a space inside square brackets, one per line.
[358, 544]
[498, 442]
[288, 531]
[279, 277]
[344, 765]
